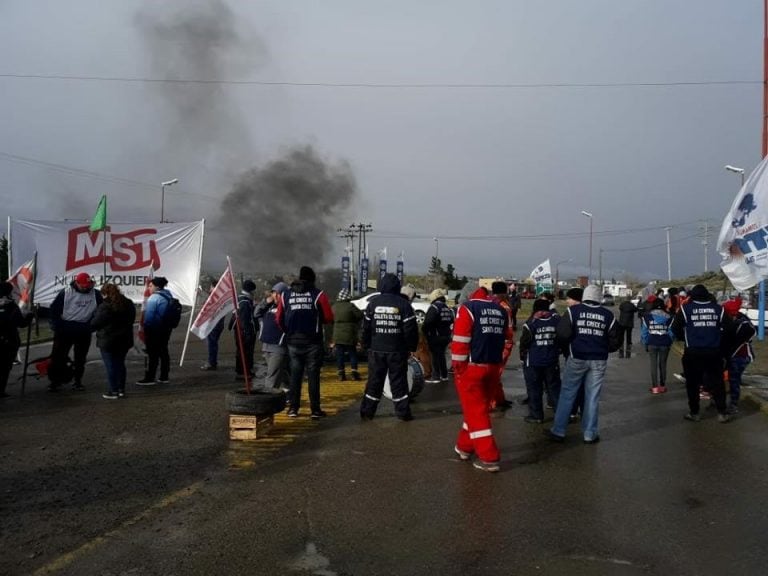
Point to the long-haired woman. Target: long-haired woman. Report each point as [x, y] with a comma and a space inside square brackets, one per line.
[113, 323]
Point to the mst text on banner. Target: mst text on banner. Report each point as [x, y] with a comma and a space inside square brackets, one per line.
[65, 249]
[743, 240]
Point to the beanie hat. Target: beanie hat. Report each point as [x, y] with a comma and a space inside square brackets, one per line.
[280, 287]
[499, 287]
[408, 291]
[306, 274]
[249, 286]
[159, 281]
[343, 294]
[657, 304]
[732, 306]
[83, 280]
[540, 305]
[592, 293]
[700, 293]
[575, 294]
[435, 294]
[6, 289]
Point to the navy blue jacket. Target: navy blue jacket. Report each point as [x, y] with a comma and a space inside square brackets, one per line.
[701, 325]
[389, 324]
[537, 342]
[588, 332]
[438, 321]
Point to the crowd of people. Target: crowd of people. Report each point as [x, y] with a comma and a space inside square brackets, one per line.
[291, 321]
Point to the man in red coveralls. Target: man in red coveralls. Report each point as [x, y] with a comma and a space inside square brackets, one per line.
[479, 335]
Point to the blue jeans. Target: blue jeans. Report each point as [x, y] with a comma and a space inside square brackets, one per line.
[341, 349]
[591, 373]
[213, 343]
[114, 362]
[305, 357]
[736, 367]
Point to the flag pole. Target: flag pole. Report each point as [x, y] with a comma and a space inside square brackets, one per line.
[194, 300]
[29, 328]
[239, 333]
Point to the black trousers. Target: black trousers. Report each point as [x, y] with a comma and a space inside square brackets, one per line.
[156, 340]
[63, 342]
[437, 348]
[7, 356]
[537, 380]
[249, 345]
[625, 337]
[704, 370]
[379, 365]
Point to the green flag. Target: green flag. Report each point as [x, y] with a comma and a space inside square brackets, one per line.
[99, 221]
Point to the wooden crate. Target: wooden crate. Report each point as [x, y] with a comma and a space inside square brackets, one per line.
[243, 427]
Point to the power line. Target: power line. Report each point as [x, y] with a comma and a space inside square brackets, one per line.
[650, 246]
[385, 85]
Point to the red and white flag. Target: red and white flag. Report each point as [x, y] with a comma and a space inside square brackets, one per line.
[147, 294]
[221, 301]
[23, 285]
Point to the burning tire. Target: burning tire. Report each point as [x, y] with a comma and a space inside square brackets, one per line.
[257, 403]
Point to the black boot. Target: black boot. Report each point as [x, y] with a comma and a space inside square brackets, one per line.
[355, 375]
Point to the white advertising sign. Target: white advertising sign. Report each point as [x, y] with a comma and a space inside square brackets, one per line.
[65, 249]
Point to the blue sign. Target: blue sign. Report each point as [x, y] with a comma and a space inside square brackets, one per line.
[364, 276]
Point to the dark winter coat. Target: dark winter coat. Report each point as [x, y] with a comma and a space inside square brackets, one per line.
[346, 322]
[114, 325]
[11, 319]
[627, 312]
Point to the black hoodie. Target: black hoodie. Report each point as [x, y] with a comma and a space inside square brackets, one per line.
[390, 323]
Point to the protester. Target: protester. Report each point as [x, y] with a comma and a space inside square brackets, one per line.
[346, 327]
[514, 307]
[499, 295]
[589, 332]
[700, 323]
[212, 342]
[738, 350]
[70, 317]
[113, 323]
[626, 323]
[655, 336]
[11, 319]
[540, 357]
[390, 334]
[572, 297]
[247, 335]
[157, 332]
[672, 301]
[437, 327]
[480, 333]
[273, 346]
[302, 311]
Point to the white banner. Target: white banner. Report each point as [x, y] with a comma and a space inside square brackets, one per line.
[742, 241]
[66, 248]
[542, 274]
[221, 301]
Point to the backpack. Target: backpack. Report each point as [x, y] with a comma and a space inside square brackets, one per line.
[172, 314]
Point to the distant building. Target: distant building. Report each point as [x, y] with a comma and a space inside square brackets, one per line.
[617, 290]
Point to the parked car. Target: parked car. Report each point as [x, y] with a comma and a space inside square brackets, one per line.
[608, 300]
[419, 307]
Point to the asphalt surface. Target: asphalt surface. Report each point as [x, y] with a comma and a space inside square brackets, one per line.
[152, 485]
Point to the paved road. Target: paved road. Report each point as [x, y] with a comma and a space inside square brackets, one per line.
[152, 486]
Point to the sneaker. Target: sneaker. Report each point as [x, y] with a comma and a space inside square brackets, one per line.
[733, 409]
[723, 418]
[317, 415]
[432, 381]
[704, 395]
[554, 437]
[78, 387]
[463, 456]
[573, 417]
[207, 367]
[505, 405]
[679, 377]
[162, 381]
[594, 440]
[486, 466]
[145, 382]
[532, 420]
[692, 417]
[293, 414]
[524, 401]
[121, 393]
[662, 389]
[355, 375]
[655, 390]
[110, 396]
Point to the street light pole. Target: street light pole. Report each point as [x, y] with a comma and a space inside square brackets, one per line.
[589, 215]
[162, 197]
[557, 273]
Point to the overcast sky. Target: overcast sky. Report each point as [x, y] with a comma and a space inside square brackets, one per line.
[504, 141]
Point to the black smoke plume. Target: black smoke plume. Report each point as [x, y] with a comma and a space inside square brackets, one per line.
[286, 213]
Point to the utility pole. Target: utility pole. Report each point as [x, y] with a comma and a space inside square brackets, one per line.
[600, 267]
[349, 235]
[669, 257]
[362, 246]
[705, 243]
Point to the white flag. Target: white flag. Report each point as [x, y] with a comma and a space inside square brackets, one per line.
[742, 241]
[221, 301]
[542, 274]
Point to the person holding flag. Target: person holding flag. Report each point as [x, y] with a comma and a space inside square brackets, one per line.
[11, 319]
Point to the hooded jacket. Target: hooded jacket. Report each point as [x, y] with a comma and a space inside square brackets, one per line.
[438, 321]
[301, 312]
[11, 319]
[389, 323]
